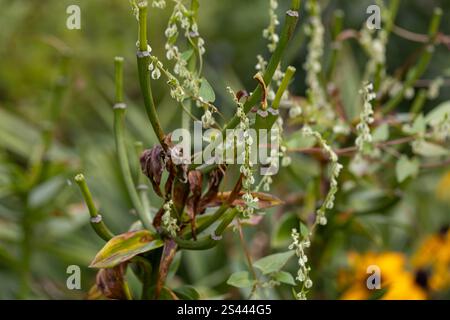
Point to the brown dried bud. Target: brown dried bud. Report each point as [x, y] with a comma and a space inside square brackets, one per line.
[152, 165]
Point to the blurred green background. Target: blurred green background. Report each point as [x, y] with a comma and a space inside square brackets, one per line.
[48, 222]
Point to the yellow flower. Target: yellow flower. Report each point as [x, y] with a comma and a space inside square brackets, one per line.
[433, 256]
[398, 282]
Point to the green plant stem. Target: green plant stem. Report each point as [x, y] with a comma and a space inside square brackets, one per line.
[286, 34]
[205, 225]
[248, 258]
[393, 10]
[143, 43]
[338, 23]
[142, 185]
[96, 219]
[143, 62]
[208, 242]
[415, 73]
[419, 102]
[290, 71]
[119, 114]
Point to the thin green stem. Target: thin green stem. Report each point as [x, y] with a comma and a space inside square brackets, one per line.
[415, 73]
[283, 86]
[142, 185]
[143, 44]
[206, 224]
[143, 61]
[119, 115]
[118, 62]
[338, 23]
[96, 219]
[419, 102]
[209, 241]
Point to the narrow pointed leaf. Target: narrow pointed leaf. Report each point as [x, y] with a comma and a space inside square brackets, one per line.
[123, 247]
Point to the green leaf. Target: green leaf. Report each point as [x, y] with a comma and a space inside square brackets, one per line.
[123, 247]
[186, 55]
[304, 231]
[281, 236]
[284, 277]
[378, 294]
[428, 149]
[45, 192]
[240, 279]
[381, 133]
[406, 168]
[438, 113]
[274, 262]
[206, 91]
[187, 293]
[419, 125]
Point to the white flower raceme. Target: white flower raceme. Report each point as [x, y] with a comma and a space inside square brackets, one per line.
[169, 224]
[364, 138]
[336, 168]
[299, 245]
[251, 202]
[270, 32]
[313, 65]
[161, 4]
[301, 242]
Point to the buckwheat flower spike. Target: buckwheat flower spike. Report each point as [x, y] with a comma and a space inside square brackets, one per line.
[336, 168]
[313, 65]
[169, 224]
[364, 138]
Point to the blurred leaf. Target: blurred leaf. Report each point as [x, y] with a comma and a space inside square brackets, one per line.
[419, 125]
[304, 231]
[206, 91]
[381, 133]
[284, 277]
[438, 113]
[378, 294]
[428, 149]
[187, 293]
[240, 279]
[123, 247]
[45, 192]
[281, 235]
[60, 226]
[186, 55]
[406, 168]
[273, 262]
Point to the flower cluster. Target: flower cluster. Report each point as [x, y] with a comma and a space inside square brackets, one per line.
[251, 202]
[183, 18]
[313, 66]
[303, 272]
[169, 224]
[336, 168]
[364, 138]
[160, 4]
[270, 32]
